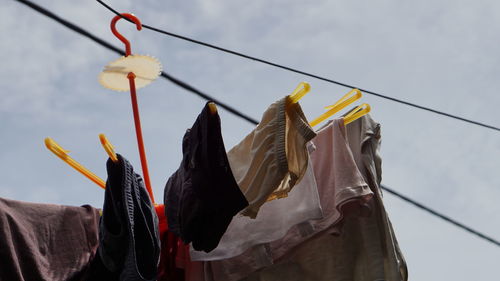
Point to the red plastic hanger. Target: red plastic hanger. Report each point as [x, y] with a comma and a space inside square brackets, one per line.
[133, 96]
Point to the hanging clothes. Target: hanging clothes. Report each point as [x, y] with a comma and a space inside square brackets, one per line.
[379, 236]
[366, 248]
[362, 248]
[272, 158]
[202, 196]
[46, 241]
[129, 245]
[342, 191]
[275, 218]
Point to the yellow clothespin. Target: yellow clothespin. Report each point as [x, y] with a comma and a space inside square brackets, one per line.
[108, 147]
[212, 107]
[302, 89]
[344, 101]
[357, 113]
[63, 154]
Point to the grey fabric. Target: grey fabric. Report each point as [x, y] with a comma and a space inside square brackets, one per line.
[378, 234]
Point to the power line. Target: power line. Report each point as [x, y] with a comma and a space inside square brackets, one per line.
[441, 216]
[207, 97]
[190, 88]
[305, 73]
[107, 45]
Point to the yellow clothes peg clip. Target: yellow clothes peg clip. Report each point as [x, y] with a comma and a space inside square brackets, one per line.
[63, 154]
[357, 113]
[212, 107]
[344, 101]
[301, 90]
[108, 147]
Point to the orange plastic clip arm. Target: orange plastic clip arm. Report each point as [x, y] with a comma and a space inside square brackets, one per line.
[63, 154]
[138, 132]
[108, 147]
[133, 96]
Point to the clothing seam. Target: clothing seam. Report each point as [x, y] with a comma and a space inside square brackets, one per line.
[299, 121]
[280, 138]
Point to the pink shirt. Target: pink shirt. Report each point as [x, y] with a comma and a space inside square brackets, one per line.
[366, 249]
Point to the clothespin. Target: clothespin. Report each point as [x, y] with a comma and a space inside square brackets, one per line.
[212, 107]
[301, 90]
[108, 147]
[344, 101]
[63, 155]
[358, 112]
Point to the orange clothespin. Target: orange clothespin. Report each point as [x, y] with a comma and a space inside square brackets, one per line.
[108, 147]
[63, 154]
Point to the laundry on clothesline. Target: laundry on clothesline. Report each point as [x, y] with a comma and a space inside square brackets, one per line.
[287, 202]
[332, 223]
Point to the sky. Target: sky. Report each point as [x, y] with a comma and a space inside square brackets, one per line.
[440, 54]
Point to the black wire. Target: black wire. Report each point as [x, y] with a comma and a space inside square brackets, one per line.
[165, 75]
[193, 90]
[207, 97]
[305, 73]
[446, 218]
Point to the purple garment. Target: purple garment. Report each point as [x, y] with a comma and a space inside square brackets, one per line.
[46, 241]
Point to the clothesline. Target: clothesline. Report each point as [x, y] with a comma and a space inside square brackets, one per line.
[189, 88]
[456, 117]
[109, 46]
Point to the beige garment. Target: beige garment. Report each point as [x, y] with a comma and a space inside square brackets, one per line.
[366, 249]
[274, 220]
[341, 189]
[270, 160]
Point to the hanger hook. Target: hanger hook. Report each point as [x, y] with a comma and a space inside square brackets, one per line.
[121, 37]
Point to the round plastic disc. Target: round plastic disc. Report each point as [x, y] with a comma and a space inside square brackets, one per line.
[145, 68]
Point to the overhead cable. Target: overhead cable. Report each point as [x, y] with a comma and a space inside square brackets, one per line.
[109, 46]
[207, 97]
[456, 117]
[441, 216]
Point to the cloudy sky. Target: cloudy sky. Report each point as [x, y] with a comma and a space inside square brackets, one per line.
[441, 54]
